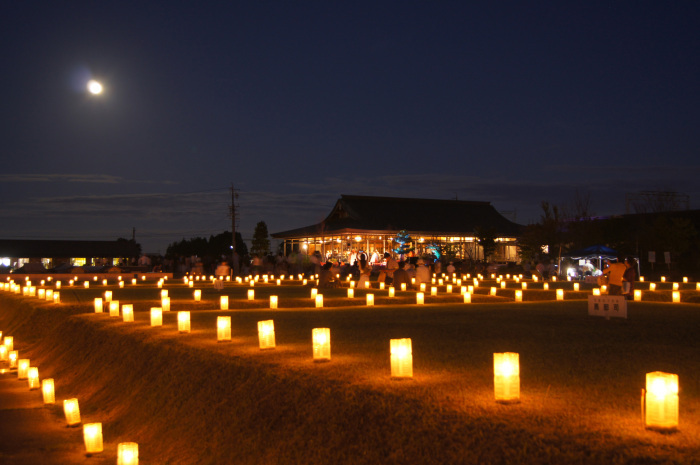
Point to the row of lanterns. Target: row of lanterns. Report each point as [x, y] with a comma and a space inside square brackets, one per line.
[127, 452]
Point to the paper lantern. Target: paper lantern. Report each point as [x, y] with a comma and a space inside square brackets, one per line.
[641, 278]
[433, 290]
[98, 304]
[420, 298]
[637, 295]
[392, 291]
[467, 297]
[652, 286]
[183, 321]
[401, 358]
[319, 300]
[251, 294]
[223, 328]
[58, 284]
[351, 293]
[159, 284]
[506, 377]
[223, 302]
[41, 293]
[197, 295]
[661, 402]
[314, 292]
[133, 281]
[560, 294]
[190, 283]
[279, 282]
[108, 296]
[3, 353]
[382, 286]
[48, 391]
[165, 303]
[163, 293]
[266, 334]
[273, 301]
[493, 291]
[156, 316]
[554, 279]
[92, 434]
[576, 287]
[33, 378]
[9, 343]
[503, 284]
[127, 313]
[12, 357]
[121, 284]
[676, 295]
[49, 295]
[676, 286]
[86, 284]
[685, 279]
[524, 285]
[128, 453]
[370, 300]
[304, 282]
[71, 409]
[545, 286]
[56, 297]
[22, 368]
[596, 291]
[321, 340]
[663, 279]
[114, 308]
[518, 296]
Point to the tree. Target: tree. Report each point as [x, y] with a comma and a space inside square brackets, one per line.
[404, 243]
[260, 245]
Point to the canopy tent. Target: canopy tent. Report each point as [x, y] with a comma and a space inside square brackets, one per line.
[593, 252]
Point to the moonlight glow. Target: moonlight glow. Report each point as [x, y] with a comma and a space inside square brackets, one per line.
[94, 87]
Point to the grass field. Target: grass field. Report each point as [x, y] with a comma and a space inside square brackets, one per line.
[188, 399]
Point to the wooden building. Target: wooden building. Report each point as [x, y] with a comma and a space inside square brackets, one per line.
[372, 224]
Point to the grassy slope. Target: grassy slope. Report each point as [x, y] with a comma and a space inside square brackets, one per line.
[187, 399]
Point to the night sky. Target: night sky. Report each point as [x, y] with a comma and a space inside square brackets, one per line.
[296, 103]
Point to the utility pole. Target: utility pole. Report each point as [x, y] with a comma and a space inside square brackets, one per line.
[233, 213]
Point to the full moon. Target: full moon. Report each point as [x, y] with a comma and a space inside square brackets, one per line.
[94, 87]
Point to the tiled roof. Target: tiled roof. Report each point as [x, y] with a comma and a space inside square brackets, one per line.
[25, 248]
[354, 213]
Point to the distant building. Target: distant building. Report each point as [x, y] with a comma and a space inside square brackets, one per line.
[15, 254]
[371, 224]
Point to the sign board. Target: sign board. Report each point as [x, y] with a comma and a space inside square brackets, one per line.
[607, 306]
[667, 257]
[652, 257]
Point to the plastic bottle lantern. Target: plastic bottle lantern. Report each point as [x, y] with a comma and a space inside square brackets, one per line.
[223, 328]
[506, 377]
[48, 391]
[266, 334]
[92, 434]
[661, 401]
[321, 340]
[72, 411]
[183, 321]
[401, 358]
[128, 453]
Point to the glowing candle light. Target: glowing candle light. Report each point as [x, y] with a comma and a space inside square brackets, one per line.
[197, 295]
[133, 281]
[370, 300]
[493, 291]
[183, 321]
[156, 316]
[33, 378]
[596, 291]
[223, 328]
[403, 286]
[433, 290]
[41, 293]
[661, 401]
[49, 295]
[9, 343]
[506, 377]
[114, 308]
[401, 358]
[251, 294]
[58, 284]
[676, 286]
[223, 302]
[641, 278]
[22, 368]
[321, 341]
[422, 287]
[467, 297]
[652, 286]
[685, 279]
[560, 294]
[545, 286]
[48, 391]
[314, 292]
[319, 300]
[92, 435]
[676, 297]
[392, 291]
[518, 296]
[127, 313]
[420, 298]
[121, 284]
[71, 410]
[3, 353]
[351, 293]
[637, 295]
[190, 283]
[266, 334]
[98, 304]
[165, 303]
[128, 453]
[663, 279]
[576, 287]
[12, 358]
[503, 284]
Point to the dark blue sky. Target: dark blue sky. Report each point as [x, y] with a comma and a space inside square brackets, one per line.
[296, 103]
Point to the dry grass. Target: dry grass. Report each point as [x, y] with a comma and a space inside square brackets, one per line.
[188, 399]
